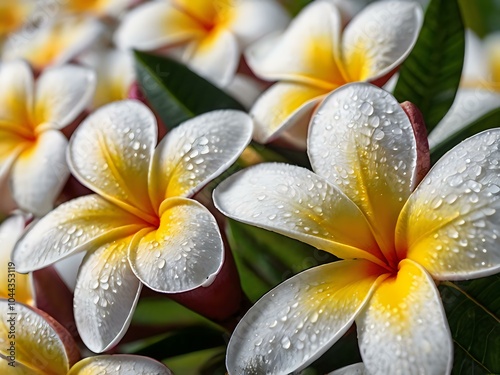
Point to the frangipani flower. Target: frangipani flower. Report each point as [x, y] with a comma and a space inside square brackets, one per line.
[13, 15]
[362, 204]
[19, 284]
[54, 42]
[38, 344]
[33, 168]
[479, 91]
[212, 33]
[313, 58]
[141, 225]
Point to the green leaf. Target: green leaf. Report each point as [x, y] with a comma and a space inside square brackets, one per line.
[430, 76]
[175, 92]
[488, 121]
[473, 311]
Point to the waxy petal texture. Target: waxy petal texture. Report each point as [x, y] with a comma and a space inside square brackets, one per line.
[196, 152]
[300, 319]
[362, 141]
[106, 294]
[184, 253]
[404, 330]
[300, 204]
[120, 364]
[450, 224]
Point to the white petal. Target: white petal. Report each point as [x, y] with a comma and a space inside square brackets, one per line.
[297, 203]
[215, 57]
[300, 319]
[119, 364]
[55, 41]
[470, 104]
[379, 38]
[40, 172]
[156, 24]
[77, 225]
[196, 152]
[283, 106]
[404, 330]
[106, 294]
[450, 223]
[255, 18]
[307, 52]
[356, 369]
[184, 253]
[67, 268]
[62, 93]
[10, 147]
[16, 94]
[245, 89]
[110, 153]
[362, 141]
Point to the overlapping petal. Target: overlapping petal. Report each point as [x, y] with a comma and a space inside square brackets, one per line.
[119, 364]
[110, 153]
[10, 148]
[185, 252]
[297, 203]
[106, 294]
[355, 369]
[299, 320]
[62, 93]
[40, 172]
[74, 226]
[41, 343]
[362, 141]
[308, 52]
[16, 96]
[404, 330]
[216, 56]
[450, 223]
[155, 25]
[196, 152]
[283, 106]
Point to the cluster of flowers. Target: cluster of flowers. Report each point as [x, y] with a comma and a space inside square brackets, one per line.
[370, 199]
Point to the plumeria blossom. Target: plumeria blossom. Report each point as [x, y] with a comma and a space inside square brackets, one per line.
[13, 15]
[479, 91]
[140, 226]
[114, 72]
[363, 205]
[53, 42]
[33, 168]
[11, 230]
[42, 346]
[211, 33]
[314, 57]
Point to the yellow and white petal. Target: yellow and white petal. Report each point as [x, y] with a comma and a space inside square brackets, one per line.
[196, 152]
[355, 369]
[184, 253]
[379, 38]
[42, 345]
[62, 93]
[252, 19]
[16, 97]
[119, 364]
[77, 225]
[157, 24]
[282, 106]
[215, 56]
[10, 231]
[450, 224]
[96, 7]
[362, 141]
[11, 145]
[307, 52]
[296, 322]
[492, 51]
[110, 153]
[469, 105]
[13, 15]
[40, 172]
[403, 329]
[106, 294]
[53, 42]
[295, 202]
[114, 72]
